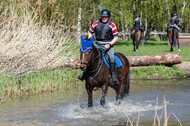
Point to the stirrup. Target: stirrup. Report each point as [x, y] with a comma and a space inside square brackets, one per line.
[80, 77]
[113, 81]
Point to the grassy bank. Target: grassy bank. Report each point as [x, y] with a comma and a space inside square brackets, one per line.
[152, 47]
[48, 80]
[157, 72]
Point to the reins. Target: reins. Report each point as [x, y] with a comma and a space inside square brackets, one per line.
[98, 68]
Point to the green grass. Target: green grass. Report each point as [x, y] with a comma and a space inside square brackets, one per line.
[48, 80]
[151, 48]
[157, 72]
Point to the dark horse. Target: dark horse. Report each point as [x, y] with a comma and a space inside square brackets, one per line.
[97, 73]
[136, 35]
[173, 35]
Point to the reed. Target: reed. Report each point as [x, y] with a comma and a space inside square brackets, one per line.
[33, 52]
[157, 119]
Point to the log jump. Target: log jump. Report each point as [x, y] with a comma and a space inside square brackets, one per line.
[167, 60]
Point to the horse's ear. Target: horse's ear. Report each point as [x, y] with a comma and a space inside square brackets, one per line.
[82, 39]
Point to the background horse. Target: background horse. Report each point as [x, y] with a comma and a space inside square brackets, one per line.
[173, 35]
[97, 74]
[136, 36]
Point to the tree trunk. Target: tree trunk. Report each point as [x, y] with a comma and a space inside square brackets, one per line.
[167, 59]
[79, 26]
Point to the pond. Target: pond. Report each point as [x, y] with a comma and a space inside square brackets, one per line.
[70, 107]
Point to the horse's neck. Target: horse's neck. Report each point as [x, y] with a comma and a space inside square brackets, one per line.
[95, 59]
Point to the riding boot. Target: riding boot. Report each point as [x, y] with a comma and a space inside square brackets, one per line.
[81, 77]
[113, 73]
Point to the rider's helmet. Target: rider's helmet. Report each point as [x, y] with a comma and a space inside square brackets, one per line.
[175, 15]
[105, 12]
[137, 16]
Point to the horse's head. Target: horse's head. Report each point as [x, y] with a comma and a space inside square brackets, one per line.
[85, 52]
[180, 23]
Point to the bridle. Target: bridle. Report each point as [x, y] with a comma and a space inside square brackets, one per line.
[98, 68]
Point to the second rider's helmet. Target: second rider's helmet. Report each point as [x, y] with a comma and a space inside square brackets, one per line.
[105, 12]
[137, 16]
[175, 15]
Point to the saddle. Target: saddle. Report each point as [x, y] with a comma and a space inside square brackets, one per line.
[107, 61]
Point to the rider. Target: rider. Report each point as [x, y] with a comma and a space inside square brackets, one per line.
[173, 22]
[106, 36]
[137, 23]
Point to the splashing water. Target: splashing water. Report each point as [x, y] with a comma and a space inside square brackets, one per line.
[110, 113]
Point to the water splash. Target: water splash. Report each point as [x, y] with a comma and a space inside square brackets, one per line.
[110, 113]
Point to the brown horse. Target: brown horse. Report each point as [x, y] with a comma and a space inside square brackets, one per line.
[173, 35]
[136, 36]
[97, 74]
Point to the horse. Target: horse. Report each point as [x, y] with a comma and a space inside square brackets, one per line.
[136, 35]
[173, 35]
[97, 73]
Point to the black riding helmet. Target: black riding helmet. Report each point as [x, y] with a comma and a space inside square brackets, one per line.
[137, 16]
[175, 15]
[105, 12]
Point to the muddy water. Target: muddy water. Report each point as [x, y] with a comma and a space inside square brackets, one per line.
[69, 107]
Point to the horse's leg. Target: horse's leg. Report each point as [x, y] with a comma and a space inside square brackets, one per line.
[90, 93]
[171, 44]
[134, 45]
[137, 45]
[104, 92]
[178, 44]
[120, 92]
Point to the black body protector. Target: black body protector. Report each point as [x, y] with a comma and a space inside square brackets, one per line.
[137, 24]
[103, 31]
[174, 21]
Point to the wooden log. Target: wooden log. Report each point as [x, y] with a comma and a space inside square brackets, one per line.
[167, 59]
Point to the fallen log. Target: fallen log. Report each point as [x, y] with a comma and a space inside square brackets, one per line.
[167, 60]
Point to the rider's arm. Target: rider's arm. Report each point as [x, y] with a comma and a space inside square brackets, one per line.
[140, 23]
[89, 35]
[115, 39]
[134, 23]
[91, 30]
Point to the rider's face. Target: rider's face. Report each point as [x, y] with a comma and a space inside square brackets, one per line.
[104, 19]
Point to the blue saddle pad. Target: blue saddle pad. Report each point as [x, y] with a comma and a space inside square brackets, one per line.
[117, 61]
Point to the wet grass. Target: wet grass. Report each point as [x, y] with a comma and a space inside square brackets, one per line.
[152, 47]
[48, 80]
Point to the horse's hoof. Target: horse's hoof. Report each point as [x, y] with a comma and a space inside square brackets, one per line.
[118, 102]
[137, 50]
[179, 50]
[102, 102]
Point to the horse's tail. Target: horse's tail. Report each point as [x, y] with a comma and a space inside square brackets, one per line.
[136, 35]
[127, 83]
[174, 37]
